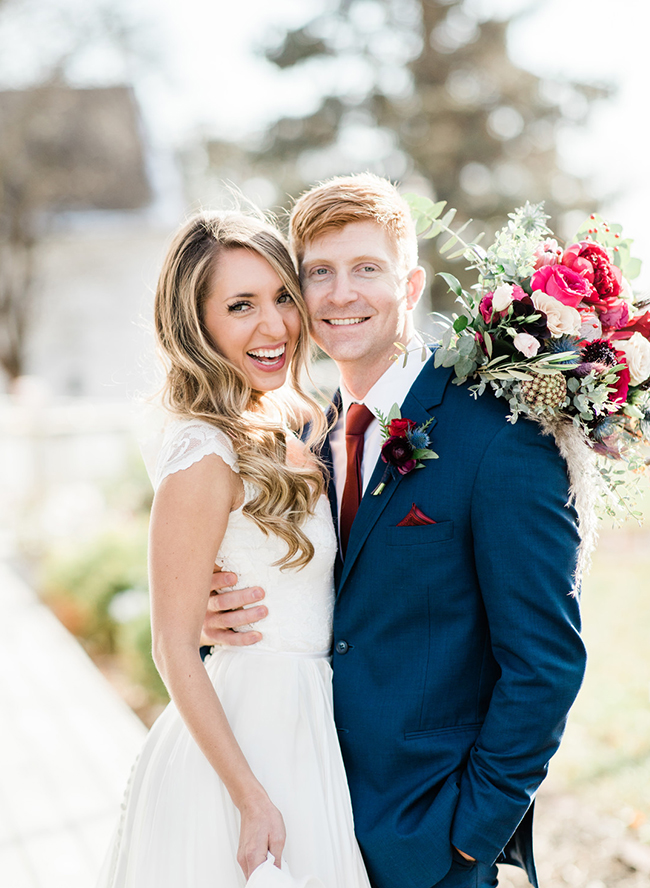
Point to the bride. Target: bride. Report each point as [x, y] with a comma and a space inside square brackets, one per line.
[244, 764]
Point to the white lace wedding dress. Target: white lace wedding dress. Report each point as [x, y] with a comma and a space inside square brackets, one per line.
[179, 827]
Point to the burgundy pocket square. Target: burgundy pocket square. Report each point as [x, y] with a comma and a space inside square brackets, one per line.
[414, 518]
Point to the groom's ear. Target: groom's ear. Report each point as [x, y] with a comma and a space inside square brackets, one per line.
[415, 281]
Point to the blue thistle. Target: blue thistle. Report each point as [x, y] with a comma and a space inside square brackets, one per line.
[604, 428]
[563, 344]
[418, 439]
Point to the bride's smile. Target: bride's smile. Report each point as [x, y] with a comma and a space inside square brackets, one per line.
[251, 318]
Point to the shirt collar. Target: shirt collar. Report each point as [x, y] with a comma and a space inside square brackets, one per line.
[394, 385]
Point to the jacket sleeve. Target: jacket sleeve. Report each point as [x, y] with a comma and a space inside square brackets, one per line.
[525, 545]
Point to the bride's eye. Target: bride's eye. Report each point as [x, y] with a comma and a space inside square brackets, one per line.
[285, 297]
[238, 306]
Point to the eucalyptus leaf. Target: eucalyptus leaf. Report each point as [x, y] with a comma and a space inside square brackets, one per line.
[453, 240]
[465, 366]
[434, 231]
[448, 218]
[424, 454]
[450, 358]
[460, 323]
[452, 282]
[466, 344]
[394, 413]
[438, 357]
[633, 411]
[633, 269]
[422, 224]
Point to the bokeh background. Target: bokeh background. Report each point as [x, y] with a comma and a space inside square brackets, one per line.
[119, 117]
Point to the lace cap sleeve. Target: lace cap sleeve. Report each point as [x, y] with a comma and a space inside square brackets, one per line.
[188, 441]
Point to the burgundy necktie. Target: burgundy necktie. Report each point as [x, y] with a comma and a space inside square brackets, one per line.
[356, 422]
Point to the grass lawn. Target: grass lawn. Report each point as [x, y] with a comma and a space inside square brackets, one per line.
[605, 756]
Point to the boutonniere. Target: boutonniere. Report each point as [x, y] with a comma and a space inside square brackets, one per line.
[405, 445]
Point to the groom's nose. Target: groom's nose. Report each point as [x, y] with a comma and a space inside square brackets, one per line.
[341, 291]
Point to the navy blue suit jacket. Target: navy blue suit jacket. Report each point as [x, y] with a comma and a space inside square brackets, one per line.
[457, 652]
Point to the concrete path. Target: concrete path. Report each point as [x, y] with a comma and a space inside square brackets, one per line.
[67, 744]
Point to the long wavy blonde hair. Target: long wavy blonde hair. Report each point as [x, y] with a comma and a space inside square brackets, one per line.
[203, 384]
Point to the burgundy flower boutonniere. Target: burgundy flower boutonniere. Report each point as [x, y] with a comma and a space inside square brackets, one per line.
[405, 445]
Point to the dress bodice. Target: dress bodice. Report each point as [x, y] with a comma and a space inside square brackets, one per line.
[300, 601]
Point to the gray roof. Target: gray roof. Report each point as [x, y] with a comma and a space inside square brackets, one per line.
[84, 147]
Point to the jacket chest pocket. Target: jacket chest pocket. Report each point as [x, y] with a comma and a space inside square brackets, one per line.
[421, 534]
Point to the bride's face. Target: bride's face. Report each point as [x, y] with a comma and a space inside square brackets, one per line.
[251, 318]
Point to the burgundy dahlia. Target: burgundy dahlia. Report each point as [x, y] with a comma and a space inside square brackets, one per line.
[397, 451]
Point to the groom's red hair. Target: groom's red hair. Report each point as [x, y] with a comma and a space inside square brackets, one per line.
[358, 198]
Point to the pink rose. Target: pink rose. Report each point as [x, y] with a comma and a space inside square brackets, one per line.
[548, 253]
[526, 344]
[593, 263]
[615, 315]
[562, 284]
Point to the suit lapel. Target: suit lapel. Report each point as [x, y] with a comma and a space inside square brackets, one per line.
[326, 457]
[328, 462]
[427, 392]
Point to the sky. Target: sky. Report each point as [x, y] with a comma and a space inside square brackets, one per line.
[204, 75]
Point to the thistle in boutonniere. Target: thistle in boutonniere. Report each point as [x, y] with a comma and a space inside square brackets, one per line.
[405, 445]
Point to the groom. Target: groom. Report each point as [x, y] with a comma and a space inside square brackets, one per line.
[457, 652]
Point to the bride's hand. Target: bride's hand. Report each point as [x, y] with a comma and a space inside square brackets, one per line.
[262, 830]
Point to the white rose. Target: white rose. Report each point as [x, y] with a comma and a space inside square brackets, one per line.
[561, 319]
[502, 297]
[526, 344]
[590, 328]
[637, 355]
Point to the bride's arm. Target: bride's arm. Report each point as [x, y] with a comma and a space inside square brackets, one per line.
[188, 521]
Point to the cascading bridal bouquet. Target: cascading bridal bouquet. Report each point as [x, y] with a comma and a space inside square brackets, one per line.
[557, 332]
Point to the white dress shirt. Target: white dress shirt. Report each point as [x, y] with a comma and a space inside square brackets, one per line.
[391, 388]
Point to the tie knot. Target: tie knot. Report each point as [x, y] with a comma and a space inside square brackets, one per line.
[358, 419]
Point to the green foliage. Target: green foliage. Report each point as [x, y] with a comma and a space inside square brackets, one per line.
[134, 648]
[82, 586]
[609, 235]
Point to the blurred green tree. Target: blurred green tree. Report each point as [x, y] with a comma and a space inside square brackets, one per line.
[424, 92]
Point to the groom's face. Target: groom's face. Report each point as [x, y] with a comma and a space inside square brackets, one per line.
[358, 293]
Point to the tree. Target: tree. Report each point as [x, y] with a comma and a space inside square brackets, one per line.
[431, 99]
[61, 149]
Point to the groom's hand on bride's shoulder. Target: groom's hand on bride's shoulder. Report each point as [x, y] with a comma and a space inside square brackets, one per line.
[226, 612]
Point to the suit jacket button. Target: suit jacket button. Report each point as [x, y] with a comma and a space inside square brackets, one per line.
[342, 647]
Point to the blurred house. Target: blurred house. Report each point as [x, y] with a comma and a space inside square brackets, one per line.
[100, 204]
[92, 200]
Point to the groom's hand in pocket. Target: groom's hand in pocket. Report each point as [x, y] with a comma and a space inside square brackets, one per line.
[226, 612]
